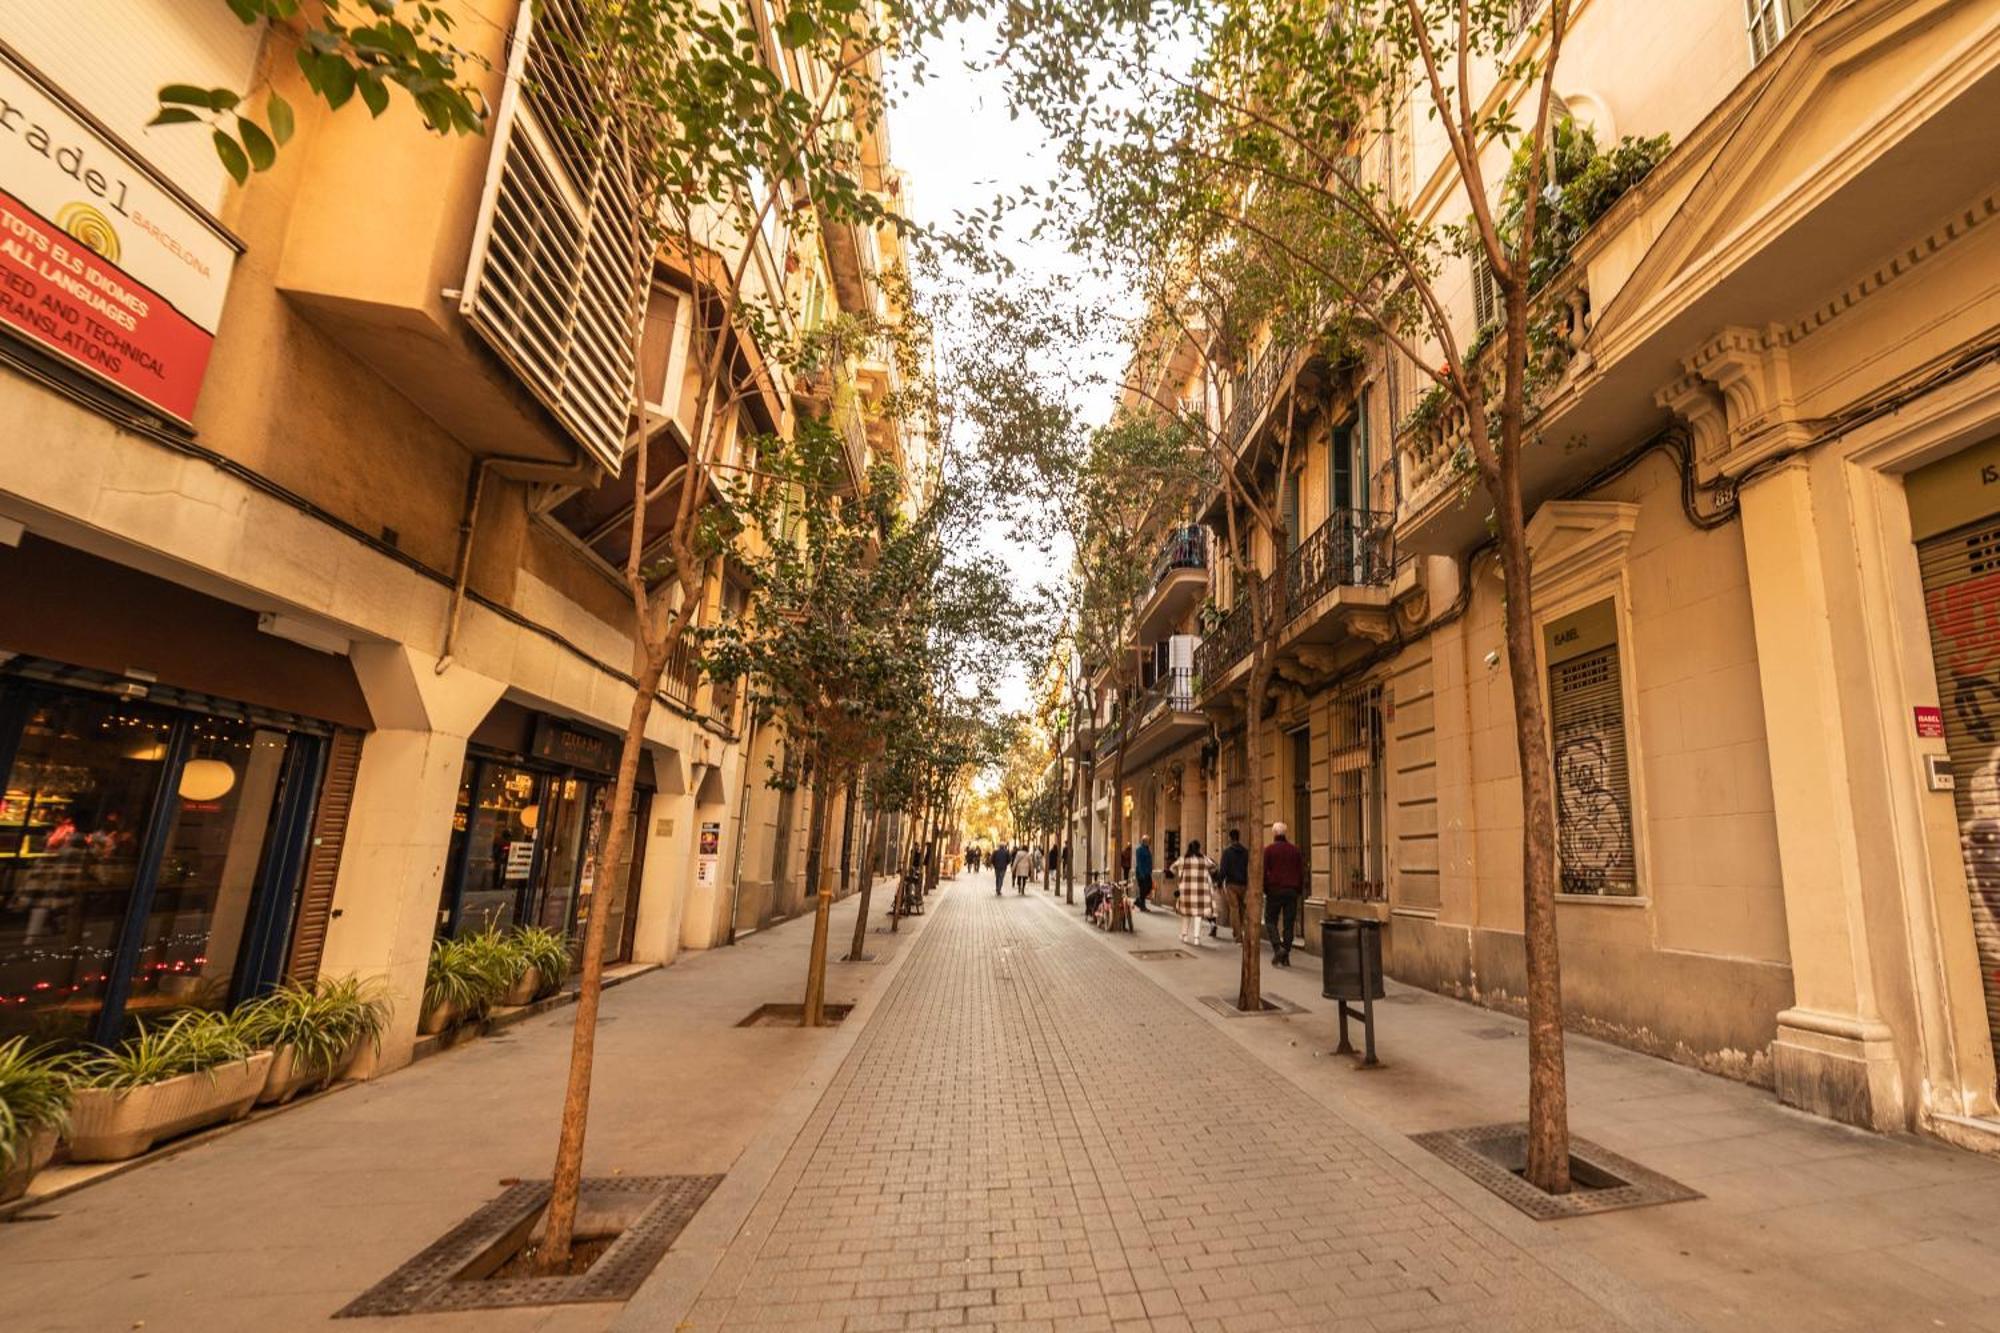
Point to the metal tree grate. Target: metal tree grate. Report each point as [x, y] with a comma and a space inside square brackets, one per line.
[1275, 1006]
[1493, 1155]
[1159, 955]
[434, 1281]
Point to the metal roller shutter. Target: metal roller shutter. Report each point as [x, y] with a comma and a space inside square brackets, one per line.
[1961, 572]
[1593, 780]
[336, 796]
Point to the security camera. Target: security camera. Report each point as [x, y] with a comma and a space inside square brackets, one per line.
[1493, 658]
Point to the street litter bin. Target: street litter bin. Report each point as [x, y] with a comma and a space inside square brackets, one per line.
[1350, 957]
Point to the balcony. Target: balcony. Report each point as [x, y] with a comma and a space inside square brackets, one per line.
[1180, 581]
[1158, 719]
[1336, 587]
[1253, 391]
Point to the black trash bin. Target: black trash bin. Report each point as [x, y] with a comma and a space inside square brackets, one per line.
[1350, 956]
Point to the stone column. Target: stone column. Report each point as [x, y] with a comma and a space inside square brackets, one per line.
[1834, 1055]
[385, 902]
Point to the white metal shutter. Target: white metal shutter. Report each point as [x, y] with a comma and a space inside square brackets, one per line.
[1961, 571]
[556, 283]
[1593, 781]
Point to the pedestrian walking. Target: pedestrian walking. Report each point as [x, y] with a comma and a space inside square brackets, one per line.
[1024, 868]
[1194, 892]
[1284, 882]
[1234, 873]
[1000, 858]
[972, 857]
[1142, 871]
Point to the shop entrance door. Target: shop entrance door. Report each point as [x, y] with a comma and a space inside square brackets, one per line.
[1961, 572]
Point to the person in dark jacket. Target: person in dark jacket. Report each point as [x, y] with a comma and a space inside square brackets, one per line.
[1234, 873]
[1284, 885]
[1001, 856]
[1142, 872]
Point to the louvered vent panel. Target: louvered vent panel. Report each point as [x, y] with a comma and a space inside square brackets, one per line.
[556, 280]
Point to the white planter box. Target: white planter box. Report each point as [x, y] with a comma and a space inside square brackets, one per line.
[106, 1126]
[29, 1158]
[288, 1078]
[524, 991]
[439, 1019]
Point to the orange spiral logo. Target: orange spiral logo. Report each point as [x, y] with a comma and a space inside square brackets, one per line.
[91, 227]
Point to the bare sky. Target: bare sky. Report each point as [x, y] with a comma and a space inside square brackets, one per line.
[953, 138]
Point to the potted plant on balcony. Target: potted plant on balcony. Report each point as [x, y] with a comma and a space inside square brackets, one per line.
[547, 957]
[35, 1095]
[463, 978]
[198, 1070]
[314, 1030]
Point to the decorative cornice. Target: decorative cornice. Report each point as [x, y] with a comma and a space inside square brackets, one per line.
[1955, 229]
[1574, 541]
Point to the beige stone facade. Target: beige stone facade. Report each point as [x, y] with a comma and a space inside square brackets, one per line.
[380, 520]
[1764, 511]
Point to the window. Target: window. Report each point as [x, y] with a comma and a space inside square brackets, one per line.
[1594, 849]
[1357, 796]
[1770, 20]
[1485, 293]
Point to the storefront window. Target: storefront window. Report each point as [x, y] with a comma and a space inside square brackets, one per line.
[72, 815]
[493, 847]
[566, 836]
[213, 848]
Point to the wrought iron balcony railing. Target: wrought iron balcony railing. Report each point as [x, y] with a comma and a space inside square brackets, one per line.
[1354, 548]
[1185, 548]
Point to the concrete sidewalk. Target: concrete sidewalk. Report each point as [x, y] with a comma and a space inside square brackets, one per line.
[280, 1223]
[1806, 1224]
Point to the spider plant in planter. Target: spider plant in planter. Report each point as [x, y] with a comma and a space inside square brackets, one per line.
[34, 1104]
[548, 963]
[314, 1030]
[198, 1070]
[464, 977]
[505, 962]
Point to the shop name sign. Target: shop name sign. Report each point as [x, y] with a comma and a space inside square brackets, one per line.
[101, 263]
[574, 749]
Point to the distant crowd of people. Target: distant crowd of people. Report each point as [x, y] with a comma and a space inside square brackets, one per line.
[1206, 891]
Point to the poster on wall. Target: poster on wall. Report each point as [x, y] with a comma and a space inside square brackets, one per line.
[707, 849]
[102, 263]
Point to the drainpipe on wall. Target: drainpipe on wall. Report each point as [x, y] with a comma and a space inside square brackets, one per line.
[748, 755]
[468, 523]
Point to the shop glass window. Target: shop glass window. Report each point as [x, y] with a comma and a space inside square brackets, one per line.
[1593, 780]
[493, 847]
[212, 858]
[72, 817]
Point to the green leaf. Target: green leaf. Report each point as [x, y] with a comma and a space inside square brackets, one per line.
[233, 159]
[221, 99]
[797, 29]
[185, 93]
[373, 91]
[336, 81]
[262, 151]
[279, 112]
[246, 10]
[175, 115]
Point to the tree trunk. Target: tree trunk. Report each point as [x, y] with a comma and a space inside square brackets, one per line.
[1069, 833]
[566, 1182]
[1250, 982]
[847, 840]
[1548, 1096]
[858, 949]
[814, 1010]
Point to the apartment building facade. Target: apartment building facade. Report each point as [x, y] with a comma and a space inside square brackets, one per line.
[1764, 516]
[313, 498]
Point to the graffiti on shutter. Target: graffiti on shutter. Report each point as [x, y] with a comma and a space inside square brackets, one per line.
[1593, 781]
[336, 796]
[1961, 573]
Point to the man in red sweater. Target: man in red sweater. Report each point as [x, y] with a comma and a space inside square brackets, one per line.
[1284, 884]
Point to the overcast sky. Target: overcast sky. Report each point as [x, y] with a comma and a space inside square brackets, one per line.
[953, 139]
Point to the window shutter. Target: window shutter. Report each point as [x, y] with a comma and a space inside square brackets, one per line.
[555, 284]
[1593, 781]
[1485, 294]
[329, 832]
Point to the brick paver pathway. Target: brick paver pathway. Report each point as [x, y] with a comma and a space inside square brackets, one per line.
[969, 1167]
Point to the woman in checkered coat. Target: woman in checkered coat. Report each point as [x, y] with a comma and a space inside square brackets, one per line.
[1194, 893]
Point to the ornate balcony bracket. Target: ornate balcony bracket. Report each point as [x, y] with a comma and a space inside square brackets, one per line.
[1735, 397]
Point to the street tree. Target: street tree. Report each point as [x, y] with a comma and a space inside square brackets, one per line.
[719, 126]
[1257, 118]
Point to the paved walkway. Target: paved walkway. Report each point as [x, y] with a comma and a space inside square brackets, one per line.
[983, 1161]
